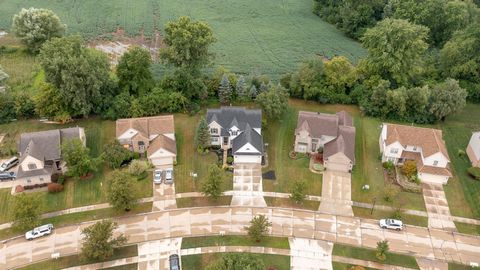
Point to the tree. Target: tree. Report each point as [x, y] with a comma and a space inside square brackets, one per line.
[447, 98]
[137, 167]
[3, 77]
[121, 190]
[212, 188]
[237, 261]
[115, 154]
[24, 105]
[395, 50]
[190, 84]
[81, 75]
[76, 155]
[253, 92]
[340, 74]
[298, 192]
[259, 226]
[7, 103]
[241, 89]
[225, 90]
[133, 71]
[382, 249]
[136, 109]
[409, 168]
[187, 43]
[98, 242]
[26, 212]
[358, 15]
[120, 106]
[274, 102]
[49, 103]
[202, 135]
[36, 26]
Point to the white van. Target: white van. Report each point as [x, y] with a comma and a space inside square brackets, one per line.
[8, 164]
[39, 232]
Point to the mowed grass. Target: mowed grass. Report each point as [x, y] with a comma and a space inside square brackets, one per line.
[76, 192]
[201, 261]
[380, 214]
[234, 240]
[270, 36]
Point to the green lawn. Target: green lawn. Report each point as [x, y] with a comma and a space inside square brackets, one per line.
[369, 255]
[69, 219]
[75, 260]
[201, 261]
[344, 266]
[202, 201]
[454, 266]
[133, 266]
[234, 240]
[468, 228]
[77, 192]
[269, 36]
[379, 214]
[288, 203]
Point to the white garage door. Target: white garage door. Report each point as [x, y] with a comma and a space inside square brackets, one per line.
[337, 166]
[301, 148]
[162, 161]
[248, 159]
[431, 178]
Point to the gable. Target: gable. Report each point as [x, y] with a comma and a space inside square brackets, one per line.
[162, 152]
[339, 157]
[128, 134]
[248, 148]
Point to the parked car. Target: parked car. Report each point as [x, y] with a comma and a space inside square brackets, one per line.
[157, 176]
[7, 176]
[392, 224]
[169, 176]
[9, 164]
[174, 262]
[39, 232]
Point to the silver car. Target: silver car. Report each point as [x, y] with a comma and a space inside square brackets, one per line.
[392, 224]
[39, 232]
[157, 176]
[169, 176]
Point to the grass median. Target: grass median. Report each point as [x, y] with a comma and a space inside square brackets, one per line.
[234, 240]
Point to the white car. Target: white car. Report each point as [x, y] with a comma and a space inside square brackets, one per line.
[169, 176]
[157, 176]
[392, 224]
[39, 232]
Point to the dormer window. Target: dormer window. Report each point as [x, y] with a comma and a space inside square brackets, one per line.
[214, 130]
[32, 166]
[234, 132]
[435, 162]
[414, 148]
[394, 151]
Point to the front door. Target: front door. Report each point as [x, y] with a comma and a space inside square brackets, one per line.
[141, 147]
[225, 140]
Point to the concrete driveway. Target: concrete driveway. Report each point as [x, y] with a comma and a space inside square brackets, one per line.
[163, 197]
[154, 255]
[310, 254]
[439, 216]
[247, 185]
[336, 193]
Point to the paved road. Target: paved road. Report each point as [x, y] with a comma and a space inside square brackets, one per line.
[417, 241]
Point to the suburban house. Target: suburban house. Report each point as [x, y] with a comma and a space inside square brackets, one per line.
[334, 134]
[425, 146]
[473, 149]
[41, 154]
[237, 129]
[154, 136]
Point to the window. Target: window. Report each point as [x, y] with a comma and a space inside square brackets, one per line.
[32, 166]
[214, 139]
[435, 162]
[214, 130]
[29, 180]
[41, 179]
[394, 150]
[234, 132]
[314, 140]
[414, 148]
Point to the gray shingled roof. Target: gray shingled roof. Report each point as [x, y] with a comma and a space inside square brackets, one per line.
[344, 143]
[238, 116]
[247, 136]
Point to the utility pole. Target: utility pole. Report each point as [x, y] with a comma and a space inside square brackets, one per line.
[373, 206]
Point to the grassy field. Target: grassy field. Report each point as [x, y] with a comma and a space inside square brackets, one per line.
[234, 240]
[468, 228]
[76, 192]
[288, 203]
[369, 255]
[378, 214]
[269, 36]
[201, 261]
[202, 201]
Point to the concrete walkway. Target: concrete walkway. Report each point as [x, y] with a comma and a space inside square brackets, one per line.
[426, 264]
[439, 216]
[163, 197]
[310, 254]
[336, 194]
[247, 185]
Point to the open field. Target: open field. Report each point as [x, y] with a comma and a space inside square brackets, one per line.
[269, 36]
[201, 261]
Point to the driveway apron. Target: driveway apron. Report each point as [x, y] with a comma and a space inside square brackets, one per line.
[247, 185]
[439, 216]
[336, 193]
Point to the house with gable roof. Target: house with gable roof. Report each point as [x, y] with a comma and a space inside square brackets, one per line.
[425, 146]
[332, 134]
[41, 154]
[473, 149]
[153, 136]
[238, 129]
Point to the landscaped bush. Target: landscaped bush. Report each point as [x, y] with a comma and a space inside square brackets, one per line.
[137, 167]
[229, 160]
[409, 168]
[388, 166]
[19, 189]
[54, 187]
[35, 186]
[474, 172]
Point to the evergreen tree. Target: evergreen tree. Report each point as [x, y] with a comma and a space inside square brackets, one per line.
[241, 89]
[263, 87]
[213, 186]
[225, 90]
[253, 92]
[202, 135]
[3, 77]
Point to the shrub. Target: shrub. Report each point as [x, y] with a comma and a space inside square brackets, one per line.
[55, 187]
[229, 160]
[390, 193]
[19, 189]
[409, 168]
[397, 214]
[382, 249]
[388, 166]
[474, 172]
[414, 178]
[137, 167]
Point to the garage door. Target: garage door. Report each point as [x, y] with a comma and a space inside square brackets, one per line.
[336, 166]
[301, 148]
[162, 161]
[248, 159]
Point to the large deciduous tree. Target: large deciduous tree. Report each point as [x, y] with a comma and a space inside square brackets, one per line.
[121, 190]
[36, 26]
[237, 261]
[212, 187]
[76, 155]
[115, 154]
[274, 102]
[98, 242]
[133, 71]
[81, 75]
[395, 50]
[447, 98]
[187, 43]
[26, 212]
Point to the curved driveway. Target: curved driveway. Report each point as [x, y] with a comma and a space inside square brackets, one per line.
[186, 222]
